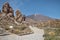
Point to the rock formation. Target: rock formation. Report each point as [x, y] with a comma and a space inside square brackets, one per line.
[7, 19]
[7, 9]
[0, 13]
[19, 17]
[7, 14]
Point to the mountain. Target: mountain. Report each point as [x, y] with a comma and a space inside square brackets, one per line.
[39, 17]
[30, 21]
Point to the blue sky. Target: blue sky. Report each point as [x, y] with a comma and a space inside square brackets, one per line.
[49, 8]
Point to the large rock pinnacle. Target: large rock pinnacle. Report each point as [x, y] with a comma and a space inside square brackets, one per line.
[19, 17]
[7, 9]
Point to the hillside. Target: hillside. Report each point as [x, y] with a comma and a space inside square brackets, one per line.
[39, 17]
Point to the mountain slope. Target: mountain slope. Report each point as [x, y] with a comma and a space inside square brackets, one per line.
[38, 17]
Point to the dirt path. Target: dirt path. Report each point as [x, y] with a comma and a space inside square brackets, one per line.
[38, 35]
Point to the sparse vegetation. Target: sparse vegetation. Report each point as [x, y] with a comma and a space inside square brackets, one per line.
[52, 34]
